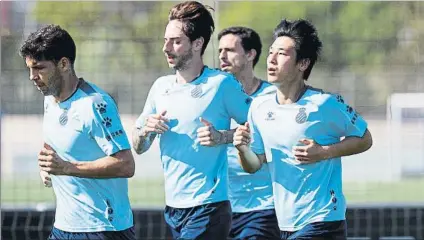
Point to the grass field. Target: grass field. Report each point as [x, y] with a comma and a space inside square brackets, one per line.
[149, 193]
[143, 193]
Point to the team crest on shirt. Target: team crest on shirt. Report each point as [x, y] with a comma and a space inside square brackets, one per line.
[270, 116]
[301, 116]
[197, 91]
[63, 118]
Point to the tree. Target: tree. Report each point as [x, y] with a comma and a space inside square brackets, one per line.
[359, 37]
[119, 44]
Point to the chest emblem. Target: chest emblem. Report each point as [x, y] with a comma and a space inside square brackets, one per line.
[301, 116]
[63, 118]
[197, 91]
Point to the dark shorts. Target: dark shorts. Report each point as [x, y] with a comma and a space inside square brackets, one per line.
[208, 221]
[319, 231]
[127, 234]
[255, 225]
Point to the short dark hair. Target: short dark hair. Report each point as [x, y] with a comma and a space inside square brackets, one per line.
[249, 39]
[305, 36]
[50, 43]
[197, 20]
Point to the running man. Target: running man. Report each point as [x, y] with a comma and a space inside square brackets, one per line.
[177, 105]
[302, 133]
[86, 155]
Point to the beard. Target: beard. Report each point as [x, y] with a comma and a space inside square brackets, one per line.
[182, 61]
[53, 86]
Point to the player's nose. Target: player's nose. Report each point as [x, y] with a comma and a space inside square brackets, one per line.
[271, 60]
[166, 47]
[33, 75]
[222, 55]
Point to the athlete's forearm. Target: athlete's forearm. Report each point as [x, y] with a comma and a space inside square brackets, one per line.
[249, 161]
[119, 165]
[141, 142]
[226, 136]
[349, 146]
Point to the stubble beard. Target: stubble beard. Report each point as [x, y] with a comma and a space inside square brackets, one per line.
[54, 85]
[183, 61]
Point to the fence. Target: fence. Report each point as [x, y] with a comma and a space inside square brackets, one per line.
[364, 223]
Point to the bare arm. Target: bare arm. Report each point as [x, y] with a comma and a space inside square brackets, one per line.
[228, 136]
[118, 165]
[209, 136]
[349, 146]
[250, 161]
[313, 152]
[141, 141]
[143, 137]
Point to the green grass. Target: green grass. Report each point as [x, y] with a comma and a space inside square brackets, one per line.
[404, 191]
[142, 192]
[149, 193]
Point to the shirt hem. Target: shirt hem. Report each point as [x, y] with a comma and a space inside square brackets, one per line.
[194, 204]
[252, 209]
[294, 229]
[92, 229]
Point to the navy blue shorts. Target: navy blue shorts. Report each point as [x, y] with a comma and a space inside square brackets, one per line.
[127, 234]
[335, 230]
[255, 225]
[208, 221]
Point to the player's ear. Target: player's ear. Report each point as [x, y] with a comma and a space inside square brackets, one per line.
[303, 64]
[198, 44]
[251, 54]
[64, 64]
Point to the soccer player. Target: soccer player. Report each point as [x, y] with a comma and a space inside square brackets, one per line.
[302, 133]
[250, 195]
[86, 151]
[197, 205]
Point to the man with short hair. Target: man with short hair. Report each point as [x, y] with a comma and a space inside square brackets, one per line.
[177, 106]
[250, 195]
[86, 155]
[302, 133]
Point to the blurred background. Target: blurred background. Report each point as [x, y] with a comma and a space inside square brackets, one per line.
[373, 54]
